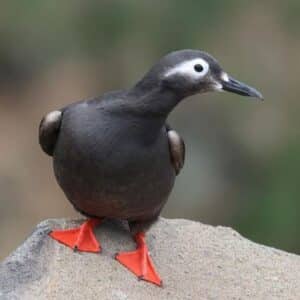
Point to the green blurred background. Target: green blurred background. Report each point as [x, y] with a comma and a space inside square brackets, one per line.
[243, 157]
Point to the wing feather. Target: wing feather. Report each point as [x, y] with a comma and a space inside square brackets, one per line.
[177, 149]
[48, 131]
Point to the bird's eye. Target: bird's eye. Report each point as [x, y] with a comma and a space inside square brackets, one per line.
[198, 68]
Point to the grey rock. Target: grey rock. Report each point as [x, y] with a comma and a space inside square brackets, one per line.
[196, 261]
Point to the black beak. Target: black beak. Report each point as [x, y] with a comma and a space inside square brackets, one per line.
[237, 87]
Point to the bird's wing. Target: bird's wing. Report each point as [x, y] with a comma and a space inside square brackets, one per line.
[48, 131]
[177, 149]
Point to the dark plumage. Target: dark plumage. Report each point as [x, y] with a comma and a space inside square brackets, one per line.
[115, 156]
[110, 164]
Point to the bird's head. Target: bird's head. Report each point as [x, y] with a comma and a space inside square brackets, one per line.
[189, 72]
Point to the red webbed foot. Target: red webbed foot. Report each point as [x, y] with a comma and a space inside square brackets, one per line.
[139, 261]
[79, 239]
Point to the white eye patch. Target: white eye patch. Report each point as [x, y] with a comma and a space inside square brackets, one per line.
[194, 69]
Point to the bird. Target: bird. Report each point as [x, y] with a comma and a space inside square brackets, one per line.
[116, 157]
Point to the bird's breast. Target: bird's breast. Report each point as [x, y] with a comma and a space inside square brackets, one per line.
[110, 162]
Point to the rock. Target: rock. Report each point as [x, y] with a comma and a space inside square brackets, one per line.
[196, 261]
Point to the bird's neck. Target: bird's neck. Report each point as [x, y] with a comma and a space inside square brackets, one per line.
[152, 100]
[145, 109]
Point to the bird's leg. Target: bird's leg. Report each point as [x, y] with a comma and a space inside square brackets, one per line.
[81, 238]
[139, 261]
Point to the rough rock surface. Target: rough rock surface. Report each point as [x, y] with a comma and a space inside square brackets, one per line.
[196, 261]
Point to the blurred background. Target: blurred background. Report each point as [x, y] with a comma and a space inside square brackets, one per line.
[243, 156]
